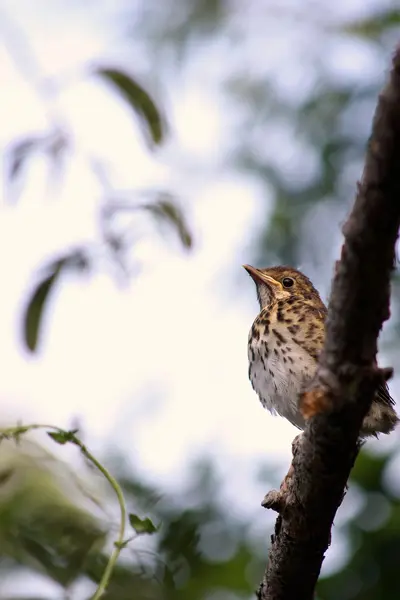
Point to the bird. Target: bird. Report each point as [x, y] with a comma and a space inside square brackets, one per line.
[284, 344]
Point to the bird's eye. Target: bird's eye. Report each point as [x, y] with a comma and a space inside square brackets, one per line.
[287, 282]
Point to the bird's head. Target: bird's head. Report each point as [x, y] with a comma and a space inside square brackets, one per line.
[281, 283]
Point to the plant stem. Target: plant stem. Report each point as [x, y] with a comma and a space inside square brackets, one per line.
[70, 437]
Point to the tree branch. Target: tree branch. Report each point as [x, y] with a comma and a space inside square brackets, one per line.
[346, 381]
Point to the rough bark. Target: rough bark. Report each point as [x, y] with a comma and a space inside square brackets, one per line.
[346, 381]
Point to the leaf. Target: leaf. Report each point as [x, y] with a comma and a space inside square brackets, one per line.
[5, 475]
[168, 579]
[63, 437]
[122, 545]
[34, 311]
[58, 436]
[373, 27]
[138, 99]
[142, 525]
[167, 211]
[52, 144]
[20, 152]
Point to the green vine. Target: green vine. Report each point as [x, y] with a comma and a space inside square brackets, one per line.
[61, 436]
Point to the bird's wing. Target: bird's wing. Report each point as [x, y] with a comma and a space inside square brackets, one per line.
[383, 394]
[313, 339]
[309, 333]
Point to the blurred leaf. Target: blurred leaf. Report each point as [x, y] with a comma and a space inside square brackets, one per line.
[167, 211]
[56, 151]
[125, 578]
[36, 304]
[34, 311]
[19, 154]
[15, 434]
[374, 26]
[62, 437]
[58, 437]
[138, 99]
[179, 26]
[43, 525]
[368, 471]
[141, 525]
[5, 475]
[53, 144]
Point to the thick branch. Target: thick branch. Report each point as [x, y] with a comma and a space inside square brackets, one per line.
[346, 381]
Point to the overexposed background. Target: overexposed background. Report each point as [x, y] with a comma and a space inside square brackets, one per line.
[155, 365]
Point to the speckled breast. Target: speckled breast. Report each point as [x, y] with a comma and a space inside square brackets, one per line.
[278, 367]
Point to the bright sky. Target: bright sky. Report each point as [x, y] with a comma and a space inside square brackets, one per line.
[158, 367]
[176, 328]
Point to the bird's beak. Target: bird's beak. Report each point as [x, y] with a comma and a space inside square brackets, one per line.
[260, 277]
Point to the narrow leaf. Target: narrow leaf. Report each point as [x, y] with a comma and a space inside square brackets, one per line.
[141, 525]
[63, 437]
[34, 312]
[138, 99]
[19, 154]
[6, 474]
[59, 436]
[78, 260]
[167, 211]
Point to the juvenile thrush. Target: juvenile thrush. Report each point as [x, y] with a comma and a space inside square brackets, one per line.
[285, 341]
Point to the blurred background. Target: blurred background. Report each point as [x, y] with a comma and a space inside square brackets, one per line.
[149, 150]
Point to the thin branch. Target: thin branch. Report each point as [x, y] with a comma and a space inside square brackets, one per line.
[346, 381]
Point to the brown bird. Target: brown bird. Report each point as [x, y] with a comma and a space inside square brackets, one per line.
[285, 341]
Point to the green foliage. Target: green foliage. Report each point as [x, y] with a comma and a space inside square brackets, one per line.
[63, 437]
[374, 537]
[138, 99]
[51, 144]
[19, 154]
[372, 28]
[141, 525]
[44, 527]
[41, 526]
[165, 211]
[66, 546]
[34, 311]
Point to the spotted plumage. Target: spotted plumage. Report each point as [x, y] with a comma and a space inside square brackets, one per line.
[285, 341]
